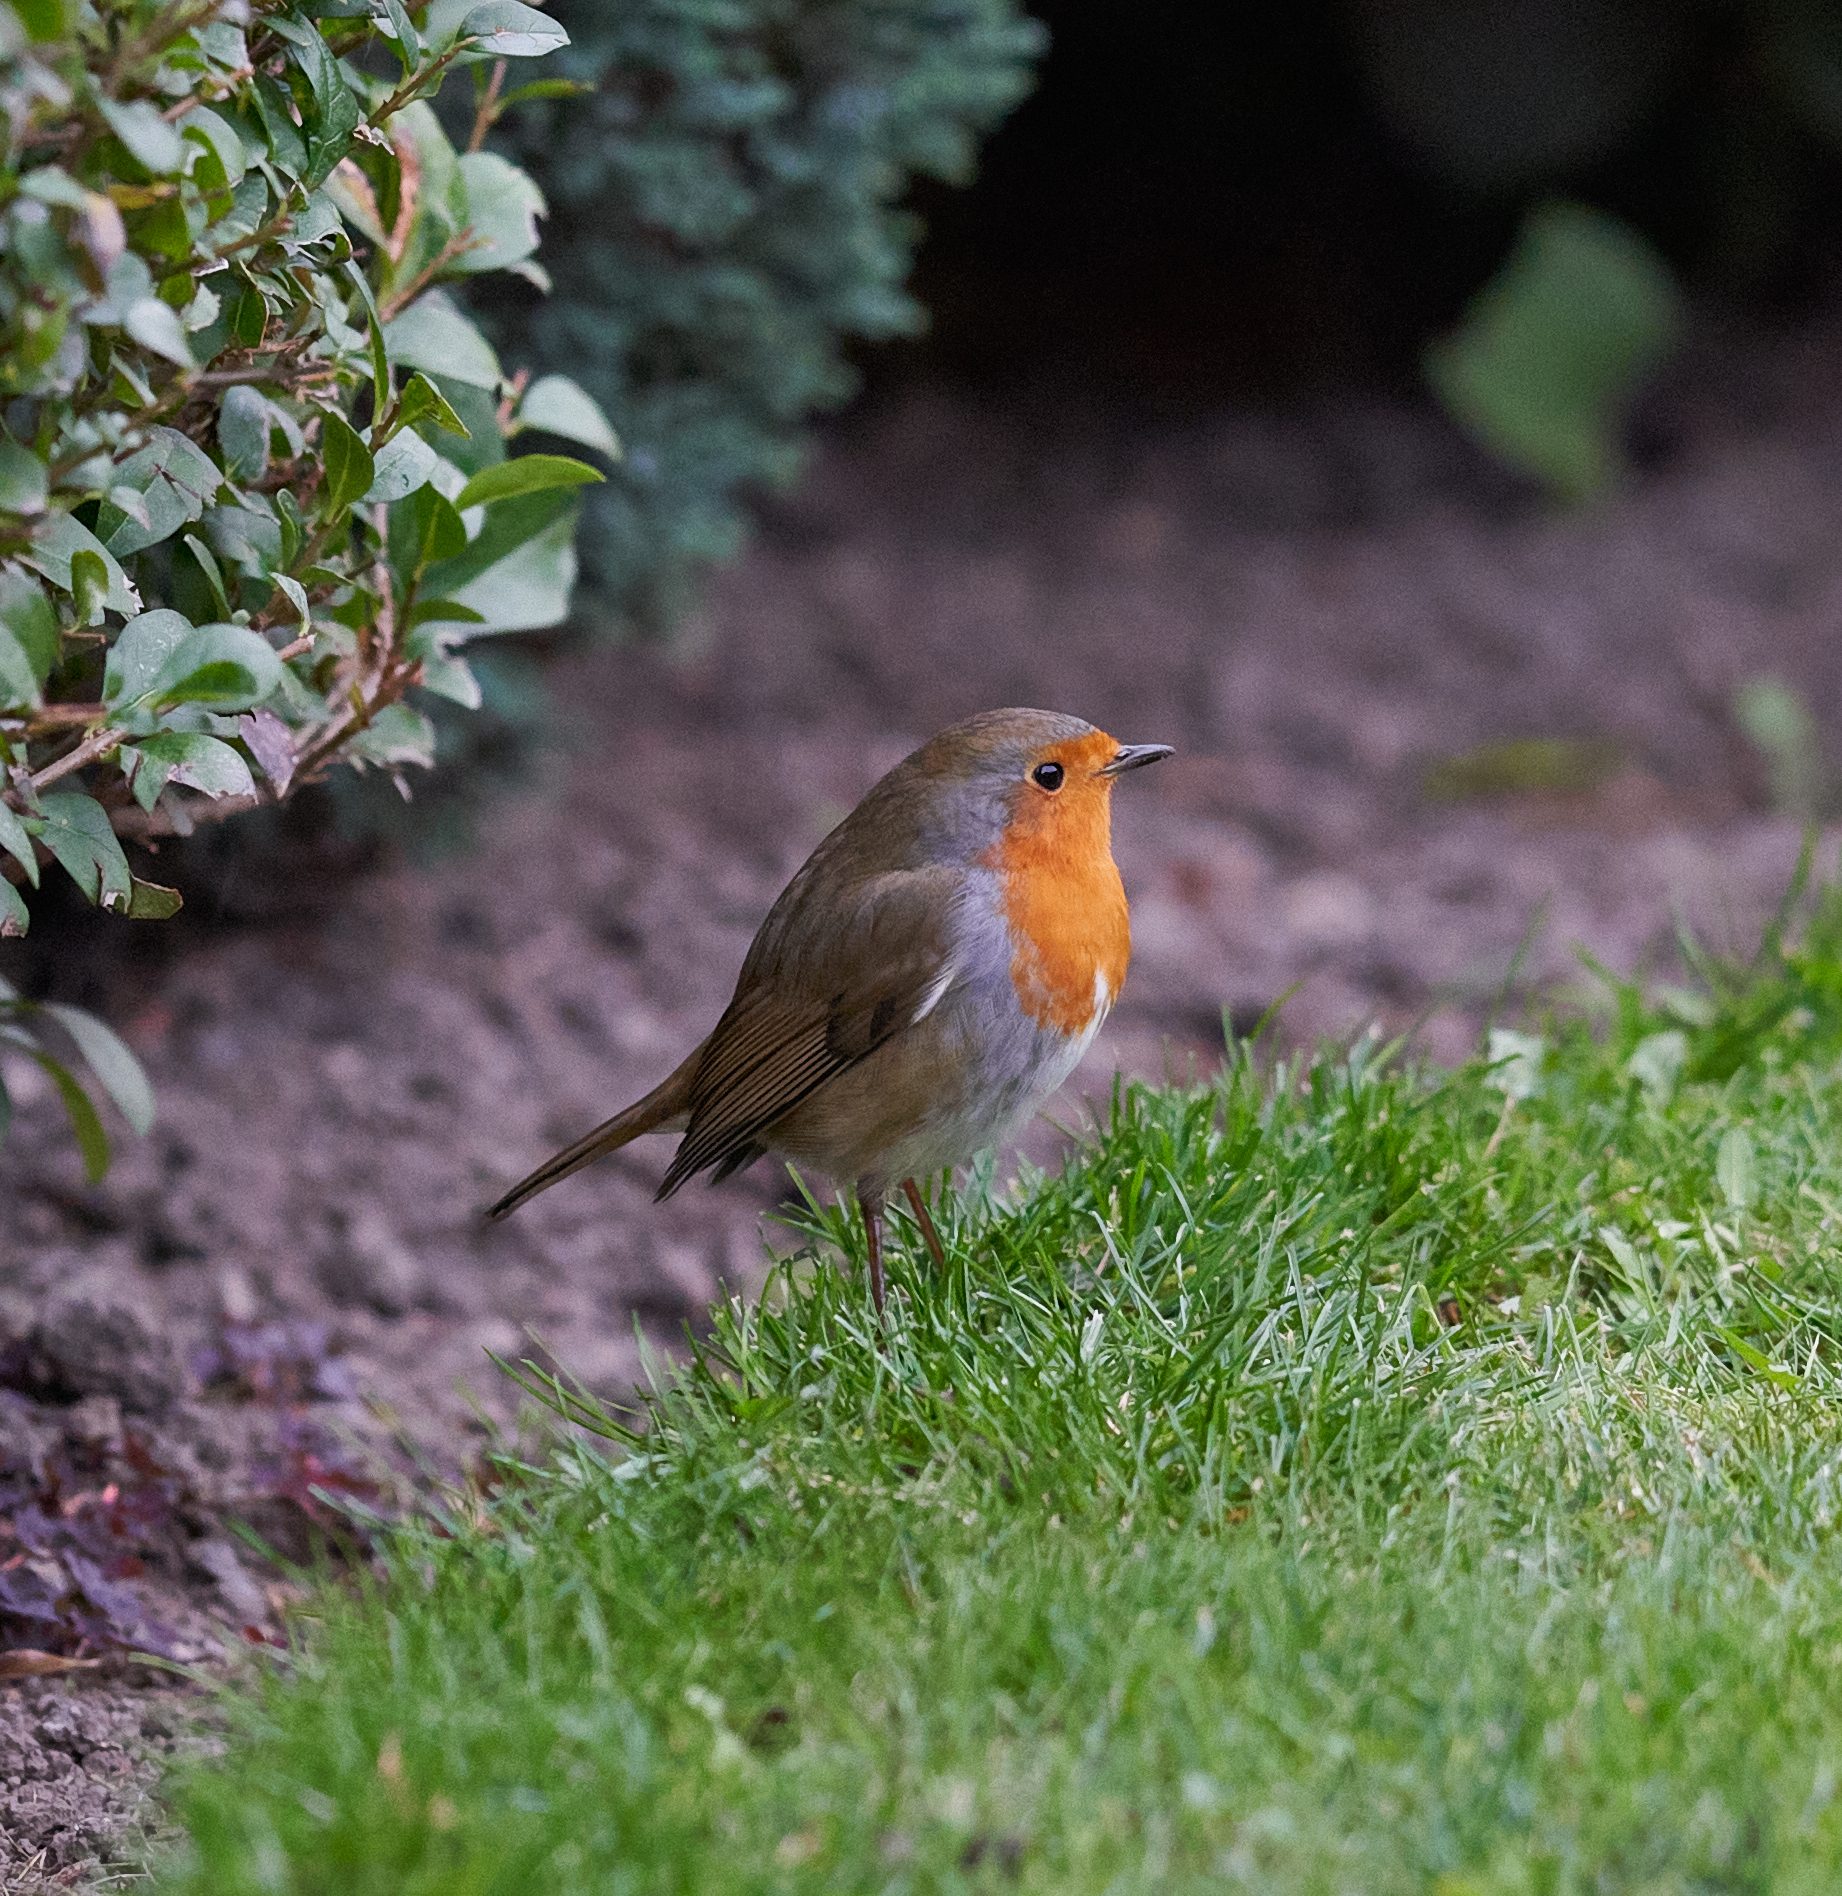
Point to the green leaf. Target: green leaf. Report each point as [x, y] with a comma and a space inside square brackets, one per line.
[23, 480]
[43, 19]
[156, 327]
[89, 586]
[188, 758]
[153, 902]
[441, 611]
[398, 734]
[408, 47]
[243, 433]
[15, 919]
[404, 464]
[374, 329]
[18, 686]
[424, 529]
[108, 1058]
[556, 405]
[249, 537]
[92, 1141]
[1550, 353]
[337, 114]
[285, 143]
[141, 647]
[434, 336]
[296, 595]
[17, 844]
[26, 613]
[505, 528]
[503, 29]
[528, 474]
[248, 317]
[451, 678]
[150, 141]
[75, 828]
[350, 469]
[423, 401]
[176, 481]
[220, 147]
[208, 566]
[58, 542]
[518, 571]
[224, 667]
[503, 206]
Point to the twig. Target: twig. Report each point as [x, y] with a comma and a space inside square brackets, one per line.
[514, 394]
[456, 246]
[142, 826]
[92, 747]
[411, 88]
[49, 717]
[304, 376]
[409, 192]
[208, 95]
[484, 118]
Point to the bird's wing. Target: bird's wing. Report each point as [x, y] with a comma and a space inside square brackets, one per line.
[814, 1000]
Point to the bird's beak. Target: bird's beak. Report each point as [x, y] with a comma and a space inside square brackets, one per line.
[1132, 756]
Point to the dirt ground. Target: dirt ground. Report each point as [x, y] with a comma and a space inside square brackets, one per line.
[289, 1276]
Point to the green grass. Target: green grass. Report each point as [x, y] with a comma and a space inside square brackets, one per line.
[1345, 1478]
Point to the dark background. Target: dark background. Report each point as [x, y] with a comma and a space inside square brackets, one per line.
[1219, 202]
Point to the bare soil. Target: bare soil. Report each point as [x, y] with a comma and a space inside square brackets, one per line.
[288, 1280]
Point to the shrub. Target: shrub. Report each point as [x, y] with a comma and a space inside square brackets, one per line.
[725, 219]
[254, 489]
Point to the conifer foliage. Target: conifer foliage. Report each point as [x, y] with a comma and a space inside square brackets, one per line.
[726, 217]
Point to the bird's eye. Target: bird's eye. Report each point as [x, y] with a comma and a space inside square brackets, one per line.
[1048, 776]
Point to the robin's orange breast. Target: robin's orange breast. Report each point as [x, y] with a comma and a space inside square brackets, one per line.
[1065, 906]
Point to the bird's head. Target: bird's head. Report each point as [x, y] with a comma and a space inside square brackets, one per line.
[1038, 778]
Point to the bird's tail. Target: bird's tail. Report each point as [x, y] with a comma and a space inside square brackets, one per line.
[661, 1109]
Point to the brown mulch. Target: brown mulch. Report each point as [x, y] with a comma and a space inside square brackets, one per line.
[1318, 609]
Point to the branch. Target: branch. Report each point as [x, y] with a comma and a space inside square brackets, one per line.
[485, 117]
[411, 88]
[51, 716]
[92, 747]
[456, 246]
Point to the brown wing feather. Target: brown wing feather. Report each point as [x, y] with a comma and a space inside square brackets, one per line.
[816, 996]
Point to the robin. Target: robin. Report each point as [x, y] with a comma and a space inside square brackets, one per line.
[929, 977]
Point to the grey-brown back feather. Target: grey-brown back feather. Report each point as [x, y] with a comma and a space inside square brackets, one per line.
[813, 1000]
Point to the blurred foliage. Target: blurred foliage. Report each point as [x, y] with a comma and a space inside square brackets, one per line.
[1552, 350]
[1712, 126]
[1523, 766]
[1779, 726]
[254, 489]
[724, 221]
[49, 1035]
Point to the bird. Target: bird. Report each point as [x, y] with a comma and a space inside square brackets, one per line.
[930, 975]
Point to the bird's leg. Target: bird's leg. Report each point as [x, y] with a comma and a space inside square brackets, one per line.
[918, 1205]
[872, 1210]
